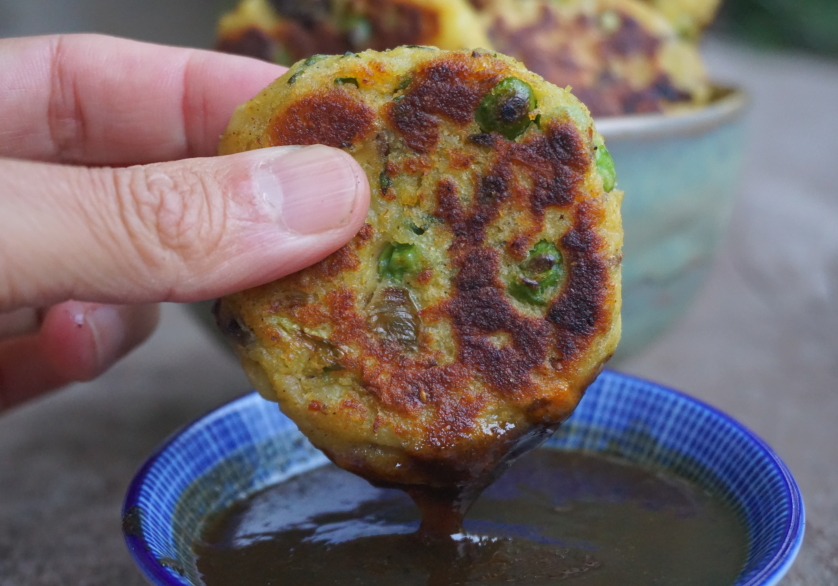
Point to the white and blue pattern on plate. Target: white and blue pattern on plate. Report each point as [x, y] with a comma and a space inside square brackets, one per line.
[248, 445]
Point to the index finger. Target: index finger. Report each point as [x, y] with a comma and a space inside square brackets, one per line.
[97, 100]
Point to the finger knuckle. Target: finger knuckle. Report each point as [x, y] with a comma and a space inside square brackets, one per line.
[66, 117]
[172, 216]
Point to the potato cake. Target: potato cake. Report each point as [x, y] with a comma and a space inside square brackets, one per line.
[285, 31]
[618, 56]
[689, 17]
[464, 321]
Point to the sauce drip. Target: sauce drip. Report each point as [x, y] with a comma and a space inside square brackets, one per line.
[552, 517]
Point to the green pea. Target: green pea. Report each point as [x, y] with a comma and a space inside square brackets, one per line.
[526, 294]
[399, 260]
[605, 167]
[537, 275]
[506, 109]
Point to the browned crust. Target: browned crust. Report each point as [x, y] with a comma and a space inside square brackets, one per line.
[303, 39]
[445, 87]
[309, 27]
[397, 23]
[630, 39]
[591, 78]
[480, 306]
[556, 162]
[333, 118]
[578, 313]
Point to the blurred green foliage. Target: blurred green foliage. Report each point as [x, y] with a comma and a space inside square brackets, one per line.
[809, 24]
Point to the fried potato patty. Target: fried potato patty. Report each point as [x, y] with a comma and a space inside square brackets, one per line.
[464, 321]
[618, 56]
[689, 17]
[285, 31]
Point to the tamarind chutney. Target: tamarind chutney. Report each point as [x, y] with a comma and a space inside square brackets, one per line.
[555, 516]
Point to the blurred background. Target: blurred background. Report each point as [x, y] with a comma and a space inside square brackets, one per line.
[811, 25]
[760, 340]
[177, 22]
[807, 24]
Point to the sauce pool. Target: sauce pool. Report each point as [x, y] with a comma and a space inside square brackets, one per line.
[554, 516]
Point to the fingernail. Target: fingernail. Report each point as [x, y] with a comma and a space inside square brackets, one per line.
[117, 329]
[108, 332]
[314, 189]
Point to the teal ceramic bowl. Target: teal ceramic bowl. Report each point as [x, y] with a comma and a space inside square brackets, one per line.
[680, 175]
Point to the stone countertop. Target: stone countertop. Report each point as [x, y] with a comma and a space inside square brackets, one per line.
[760, 342]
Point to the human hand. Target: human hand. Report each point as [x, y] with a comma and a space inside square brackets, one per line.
[89, 245]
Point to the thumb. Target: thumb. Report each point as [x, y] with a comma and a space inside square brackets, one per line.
[178, 231]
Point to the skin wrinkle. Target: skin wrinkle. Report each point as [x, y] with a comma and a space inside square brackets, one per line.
[126, 204]
[130, 108]
[160, 211]
[184, 105]
[24, 281]
[130, 212]
[65, 119]
[91, 217]
[201, 127]
[104, 238]
[212, 230]
[180, 221]
[105, 234]
[177, 204]
[199, 118]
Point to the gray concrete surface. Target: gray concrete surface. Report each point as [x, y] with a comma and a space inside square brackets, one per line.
[761, 341]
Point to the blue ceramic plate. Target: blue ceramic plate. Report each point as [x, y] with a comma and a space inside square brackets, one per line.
[248, 444]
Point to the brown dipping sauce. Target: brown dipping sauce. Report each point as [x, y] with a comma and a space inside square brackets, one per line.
[554, 516]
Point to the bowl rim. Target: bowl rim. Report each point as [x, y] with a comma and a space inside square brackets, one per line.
[780, 564]
[769, 575]
[727, 103]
